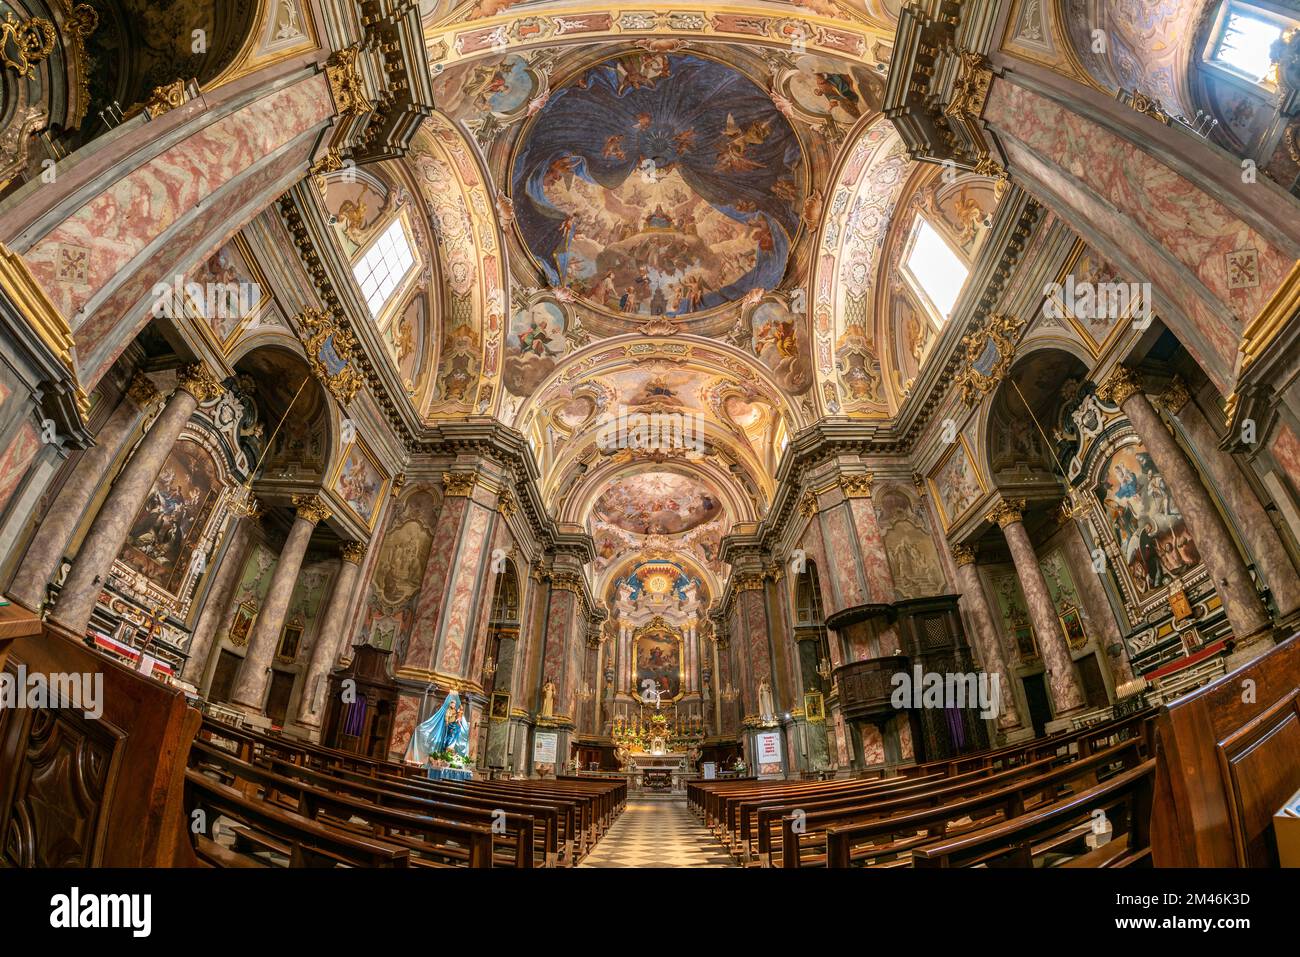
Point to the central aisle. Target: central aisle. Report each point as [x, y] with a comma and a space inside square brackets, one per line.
[658, 834]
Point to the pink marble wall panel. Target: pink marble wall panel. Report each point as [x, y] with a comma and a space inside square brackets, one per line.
[842, 559]
[875, 563]
[1286, 452]
[434, 586]
[1237, 265]
[559, 622]
[119, 223]
[15, 460]
[873, 746]
[405, 717]
[754, 612]
[461, 608]
[905, 737]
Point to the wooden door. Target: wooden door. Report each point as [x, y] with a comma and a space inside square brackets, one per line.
[277, 702]
[223, 679]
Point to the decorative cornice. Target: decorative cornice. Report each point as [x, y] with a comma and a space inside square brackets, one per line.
[809, 505]
[459, 484]
[198, 382]
[964, 555]
[1007, 512]
[1119, 386]
[856, 485]
[166, 98]
[311, 508]
[353, 552]
[971, 88]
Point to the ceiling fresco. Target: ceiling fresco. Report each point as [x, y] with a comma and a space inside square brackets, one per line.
[657, 503]
[705, 227]
[659, 185]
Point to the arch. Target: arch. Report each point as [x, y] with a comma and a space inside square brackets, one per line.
[277, 370]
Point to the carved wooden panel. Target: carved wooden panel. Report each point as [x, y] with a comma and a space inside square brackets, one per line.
[58, 766]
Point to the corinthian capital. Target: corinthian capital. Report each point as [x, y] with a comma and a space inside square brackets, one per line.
[142, 391]
[353, 552]
[963, 554]
[1007, 512]
[311, 508]
[198, 382]
[1120, 386]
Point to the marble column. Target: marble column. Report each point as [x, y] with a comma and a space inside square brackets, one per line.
[1239, 498]
[60, 521]
[254, 675]
[1241, 602]
[108, 532]
[994, 659]
[1096, 606]
[333, 632]
[1063, 684]
[215, 604]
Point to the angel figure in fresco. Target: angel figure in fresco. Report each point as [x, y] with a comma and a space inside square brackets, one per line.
[485, 82]
[353, 217]
[781, 334]
[837, 90]
[614, 147]
[445, 730]
[535, 340]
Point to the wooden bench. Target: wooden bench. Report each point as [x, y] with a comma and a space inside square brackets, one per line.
[436, 832]
[1228, 756]
[304, 842]
[126, 769]
[885, 831]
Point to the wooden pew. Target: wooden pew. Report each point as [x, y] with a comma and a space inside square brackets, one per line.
[438, 834]
[125, 770]
[1228, 757]
[305, 842]
[1057, 827]
[889, 829]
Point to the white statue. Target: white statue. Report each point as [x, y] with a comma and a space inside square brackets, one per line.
[766, 710]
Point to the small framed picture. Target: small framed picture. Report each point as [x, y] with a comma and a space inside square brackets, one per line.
[1072, 625]
[814, 706]
[500, 707]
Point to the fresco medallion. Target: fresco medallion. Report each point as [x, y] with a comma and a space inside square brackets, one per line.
[659, 185]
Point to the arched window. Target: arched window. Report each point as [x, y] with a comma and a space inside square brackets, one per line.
[934, 269]
[383, 268]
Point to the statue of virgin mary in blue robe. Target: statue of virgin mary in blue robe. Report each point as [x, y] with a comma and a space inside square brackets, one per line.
[445, 730]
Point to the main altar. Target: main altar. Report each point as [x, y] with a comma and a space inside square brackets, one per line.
[658, 750]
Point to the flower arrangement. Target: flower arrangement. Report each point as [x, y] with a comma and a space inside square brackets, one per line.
[451, 758]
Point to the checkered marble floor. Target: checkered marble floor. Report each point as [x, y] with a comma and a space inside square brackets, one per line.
[658, 834]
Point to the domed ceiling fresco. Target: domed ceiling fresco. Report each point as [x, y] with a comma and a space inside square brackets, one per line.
[659, 185]
[703, 231]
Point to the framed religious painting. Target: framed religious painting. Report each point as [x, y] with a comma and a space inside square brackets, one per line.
[360, 483]
[241, 626]
[499, 710]
[956, 484]
[1072, 624]
[814, 706]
